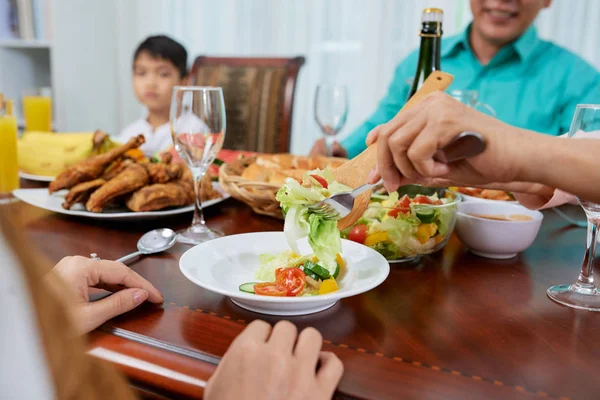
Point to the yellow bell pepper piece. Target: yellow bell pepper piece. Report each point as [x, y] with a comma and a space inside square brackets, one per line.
[340, 261]
[328, 286]
[375, 238]
[315, 259]
[425, 232]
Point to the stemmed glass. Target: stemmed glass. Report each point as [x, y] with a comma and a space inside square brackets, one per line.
[583, 294]
[198, 130]
[331, 111]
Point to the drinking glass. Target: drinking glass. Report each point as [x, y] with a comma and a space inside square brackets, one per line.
[331, 111]
[583, 294]
[198, 130]
[37, 110]
[471, 98]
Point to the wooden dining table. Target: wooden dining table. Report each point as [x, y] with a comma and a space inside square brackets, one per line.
[449, 326]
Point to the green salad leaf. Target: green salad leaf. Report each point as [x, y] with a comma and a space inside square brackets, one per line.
[323, 235]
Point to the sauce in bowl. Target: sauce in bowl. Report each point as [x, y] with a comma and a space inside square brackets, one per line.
[497, 217]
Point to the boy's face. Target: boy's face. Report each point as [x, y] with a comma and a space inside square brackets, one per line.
[153, 81]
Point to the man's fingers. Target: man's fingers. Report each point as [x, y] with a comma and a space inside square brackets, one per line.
[373, 135]
[422, 150]
[385, 164]
[330, 373]
[98, 312]
[400, 142]
[114, 273]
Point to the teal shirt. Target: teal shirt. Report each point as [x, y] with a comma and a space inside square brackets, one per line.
[530, 83]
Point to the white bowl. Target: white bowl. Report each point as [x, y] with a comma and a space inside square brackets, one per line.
[496, 239]
[222, 265]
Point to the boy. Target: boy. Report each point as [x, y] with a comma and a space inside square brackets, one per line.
[159, 64]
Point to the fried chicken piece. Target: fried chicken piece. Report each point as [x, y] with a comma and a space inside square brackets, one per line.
[172, 194]
[163, 173]
[129, 180]
[207, 192]
[115, 168]
[81, 193]
[93, 167]
[161, 195]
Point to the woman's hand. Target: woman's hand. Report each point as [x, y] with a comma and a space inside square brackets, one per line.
[408, 143]
[80, 274]
[276, 363]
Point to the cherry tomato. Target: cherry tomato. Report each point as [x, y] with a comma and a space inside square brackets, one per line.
[358, 234]
[292, 279]
[270, 289]
[321, 180]
[422, 200]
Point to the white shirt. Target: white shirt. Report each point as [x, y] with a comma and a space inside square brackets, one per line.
[157, 140]
[24, 371]
[160, 139]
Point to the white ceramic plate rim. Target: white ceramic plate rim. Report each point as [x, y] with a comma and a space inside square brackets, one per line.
[38, 178]
[335, 296]
[21, 194]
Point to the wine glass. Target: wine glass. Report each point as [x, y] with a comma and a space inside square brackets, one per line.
[583, 294]
[471, 98]
[198, 130]
[331, 111]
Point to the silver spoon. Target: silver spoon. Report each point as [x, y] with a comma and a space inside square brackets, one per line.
[153, 242]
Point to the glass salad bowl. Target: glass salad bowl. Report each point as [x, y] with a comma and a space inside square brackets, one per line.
[406, 224]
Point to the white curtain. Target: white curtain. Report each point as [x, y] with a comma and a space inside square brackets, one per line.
[355, 42]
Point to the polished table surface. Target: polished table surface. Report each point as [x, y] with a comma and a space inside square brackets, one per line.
[452, 326]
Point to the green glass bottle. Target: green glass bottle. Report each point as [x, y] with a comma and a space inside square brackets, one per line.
[431, 41]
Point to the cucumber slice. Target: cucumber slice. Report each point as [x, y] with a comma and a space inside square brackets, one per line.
[248, 287]
[316, 269]
[425, 214]
[337, 271]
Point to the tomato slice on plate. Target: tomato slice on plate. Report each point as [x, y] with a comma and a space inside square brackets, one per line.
[292, 279]
[358, 234]
[321, 180]
[270, 289]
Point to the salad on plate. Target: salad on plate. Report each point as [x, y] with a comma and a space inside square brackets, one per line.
[289, 273]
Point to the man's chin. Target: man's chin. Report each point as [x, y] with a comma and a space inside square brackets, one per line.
[500, 36]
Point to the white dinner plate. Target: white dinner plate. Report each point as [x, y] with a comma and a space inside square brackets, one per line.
[38, 178]
[53, 202]
[223, 264]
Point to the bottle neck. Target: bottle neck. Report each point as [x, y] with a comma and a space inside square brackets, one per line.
[429, 54]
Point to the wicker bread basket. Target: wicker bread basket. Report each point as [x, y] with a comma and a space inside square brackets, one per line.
[261, 195]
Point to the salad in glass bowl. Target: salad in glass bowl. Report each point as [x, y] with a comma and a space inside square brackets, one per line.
[406, 224]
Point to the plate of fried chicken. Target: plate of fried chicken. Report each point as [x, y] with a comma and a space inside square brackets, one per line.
[113, 186]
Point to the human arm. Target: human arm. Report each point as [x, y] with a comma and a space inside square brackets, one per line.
[407, 144]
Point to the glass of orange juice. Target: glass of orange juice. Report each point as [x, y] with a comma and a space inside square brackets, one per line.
[9, 168]
[37, 110]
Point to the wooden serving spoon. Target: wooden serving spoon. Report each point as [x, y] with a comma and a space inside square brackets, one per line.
[354, 173]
